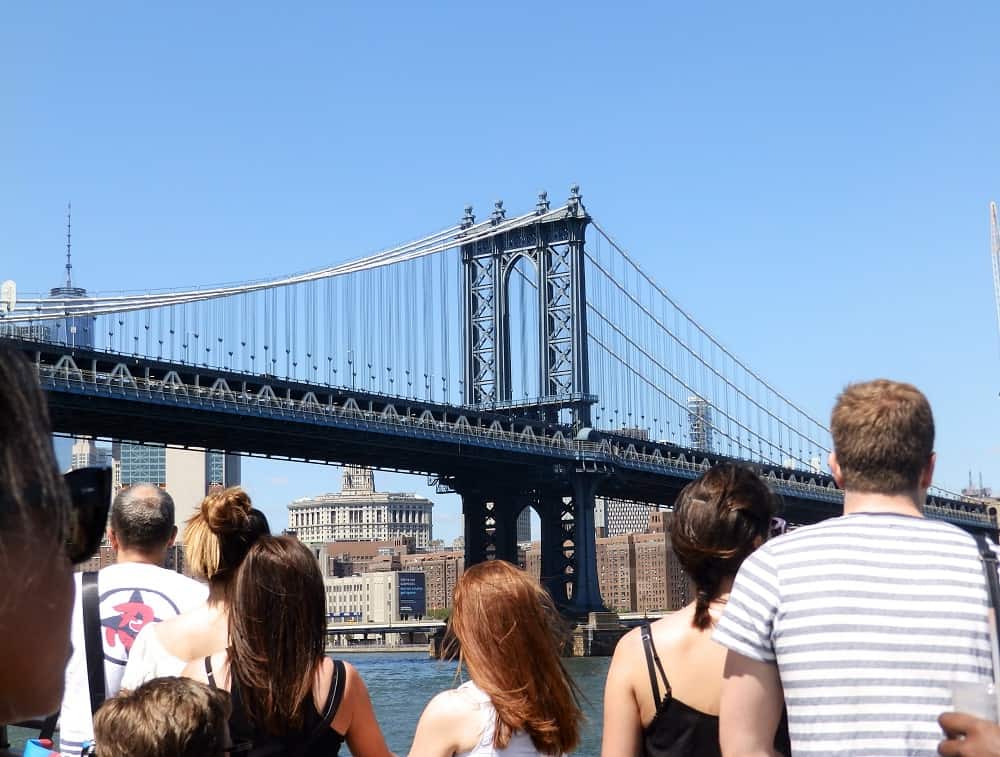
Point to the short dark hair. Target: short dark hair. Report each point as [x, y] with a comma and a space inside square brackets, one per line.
[883, 436]
[165, 717]
[715, 526]
[34, 501]
[142, 517]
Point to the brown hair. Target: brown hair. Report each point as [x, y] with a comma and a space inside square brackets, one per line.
[717, 522]
[277, 631]
[509, 638]
[34, 501]
[165, 717]
[219, 535]
[883, 436]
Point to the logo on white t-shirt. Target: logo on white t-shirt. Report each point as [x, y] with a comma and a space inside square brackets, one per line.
[125, 612]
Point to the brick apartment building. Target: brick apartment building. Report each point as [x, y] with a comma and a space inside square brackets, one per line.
[616, 572]
[441, 570]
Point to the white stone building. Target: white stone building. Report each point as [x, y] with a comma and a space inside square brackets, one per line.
[359, 513]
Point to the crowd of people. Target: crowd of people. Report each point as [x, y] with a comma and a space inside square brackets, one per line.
[848, 637]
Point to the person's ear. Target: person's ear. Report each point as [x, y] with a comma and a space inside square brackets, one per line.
[838, 475]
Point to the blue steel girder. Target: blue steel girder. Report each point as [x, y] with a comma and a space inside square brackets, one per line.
[187, 405]
[556, 248]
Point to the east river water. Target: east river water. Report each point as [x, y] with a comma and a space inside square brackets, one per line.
[401, 684]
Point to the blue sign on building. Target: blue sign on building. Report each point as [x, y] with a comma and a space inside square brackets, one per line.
[412, 595]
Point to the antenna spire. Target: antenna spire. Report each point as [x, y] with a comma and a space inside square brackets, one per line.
[69, 259]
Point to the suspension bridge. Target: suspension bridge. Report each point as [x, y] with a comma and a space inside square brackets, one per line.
[524, 361]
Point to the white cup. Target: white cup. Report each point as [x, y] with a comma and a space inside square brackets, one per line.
[978, 698]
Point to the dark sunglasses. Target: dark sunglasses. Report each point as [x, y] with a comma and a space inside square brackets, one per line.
[90, 498]
[777, 527]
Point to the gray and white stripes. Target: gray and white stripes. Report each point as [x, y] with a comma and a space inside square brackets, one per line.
[869, 618]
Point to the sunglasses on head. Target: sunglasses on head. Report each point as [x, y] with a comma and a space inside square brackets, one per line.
[90, 498]
[777, 527]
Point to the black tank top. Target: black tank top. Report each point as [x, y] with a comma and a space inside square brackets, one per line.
[679, 730]
[314, 738]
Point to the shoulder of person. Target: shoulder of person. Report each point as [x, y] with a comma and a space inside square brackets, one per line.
[447, 708]
[195, 669]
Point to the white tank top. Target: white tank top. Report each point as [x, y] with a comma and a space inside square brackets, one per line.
[520, 743]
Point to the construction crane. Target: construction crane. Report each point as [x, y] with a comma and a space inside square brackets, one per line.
[995, 245]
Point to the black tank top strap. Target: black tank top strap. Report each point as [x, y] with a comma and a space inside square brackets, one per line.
[336, 694]
[208, 672]
[653, 658]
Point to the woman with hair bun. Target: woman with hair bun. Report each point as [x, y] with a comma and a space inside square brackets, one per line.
[663, 686]
[216, 539]
[519, 701]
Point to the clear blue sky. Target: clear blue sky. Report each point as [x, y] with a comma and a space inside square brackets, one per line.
[811, 182]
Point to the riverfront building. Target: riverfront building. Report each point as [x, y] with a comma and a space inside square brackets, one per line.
[359, 513]
[640, 572]
[616, 517]
[386, 597]
[442, 571]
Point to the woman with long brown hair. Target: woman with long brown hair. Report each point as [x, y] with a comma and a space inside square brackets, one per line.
[216, 539]
[520, 700]
[662, 692]
[288, 696]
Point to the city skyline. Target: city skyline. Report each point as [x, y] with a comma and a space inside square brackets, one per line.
[827, 220]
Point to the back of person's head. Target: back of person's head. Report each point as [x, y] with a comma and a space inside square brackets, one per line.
[165, 717]
[34, 501]
[37, 597]
[508, 632]
[219, 535]
[718, 521]
[277, 631]
[142, 518]
[883, 436]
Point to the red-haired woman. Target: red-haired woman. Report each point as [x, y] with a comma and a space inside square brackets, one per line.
[288, 696]
[662, 693]
[520, 700]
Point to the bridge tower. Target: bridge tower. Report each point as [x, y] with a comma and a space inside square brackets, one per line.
[562, 496]
[554, 244]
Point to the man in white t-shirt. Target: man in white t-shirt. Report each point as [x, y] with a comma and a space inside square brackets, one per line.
[134, 592]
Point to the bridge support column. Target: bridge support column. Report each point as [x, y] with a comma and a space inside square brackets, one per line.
[505, 512]
[556, 534]
[586, 590]
[490, 527]
[478, 529]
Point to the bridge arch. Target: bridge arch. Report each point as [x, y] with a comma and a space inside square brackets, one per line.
[522, 363]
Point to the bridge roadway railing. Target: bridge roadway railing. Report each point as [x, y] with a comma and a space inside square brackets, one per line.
[65, 375]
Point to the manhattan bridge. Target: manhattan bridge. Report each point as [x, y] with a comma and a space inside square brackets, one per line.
[524, 361]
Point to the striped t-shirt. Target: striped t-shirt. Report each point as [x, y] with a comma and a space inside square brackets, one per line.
[869, 617]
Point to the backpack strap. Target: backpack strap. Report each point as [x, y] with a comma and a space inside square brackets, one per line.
[94, 647]
[651, 658]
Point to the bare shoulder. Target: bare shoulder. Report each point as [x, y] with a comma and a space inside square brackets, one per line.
[195, 669]
[451, 703]
[628, 646]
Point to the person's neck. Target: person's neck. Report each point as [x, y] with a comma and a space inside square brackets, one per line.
[127, 555]
[897, 504]
[725, 588]
[218, 589]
